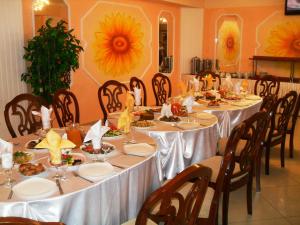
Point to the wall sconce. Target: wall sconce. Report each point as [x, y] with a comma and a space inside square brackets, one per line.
[39, 4]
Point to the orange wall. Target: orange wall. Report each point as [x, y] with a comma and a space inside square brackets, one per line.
[86, 88]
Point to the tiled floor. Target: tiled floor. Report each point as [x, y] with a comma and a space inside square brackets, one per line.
[279, 201]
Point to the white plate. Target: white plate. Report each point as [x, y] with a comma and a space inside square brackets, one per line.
[241, 103]
[187, 126]
[30, 153]
[253, 97]
[140, 149]
[100, 155]
[113, 137]
[70, 168]
[35, 188]
[204, 116]
[96, 171]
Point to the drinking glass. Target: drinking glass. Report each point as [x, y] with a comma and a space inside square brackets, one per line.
[7, 165]
[74, 134]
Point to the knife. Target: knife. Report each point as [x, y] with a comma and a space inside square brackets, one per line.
[59, 186]
[10, 194]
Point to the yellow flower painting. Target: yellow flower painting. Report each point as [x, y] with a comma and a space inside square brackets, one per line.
[118, 44]
[229, 42]
[284, 40]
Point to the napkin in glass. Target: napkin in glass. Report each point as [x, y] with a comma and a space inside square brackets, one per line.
[183, 88]
[125, 120]
[95, 134]
[196, 83]
[137, 95]
[237, 88]
[45, 114]
[228, 82]
[55, 143]
[166, 110]
[129, 103]
[5, 146]
[189, 102]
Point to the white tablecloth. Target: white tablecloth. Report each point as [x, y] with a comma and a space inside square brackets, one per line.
[109, 202]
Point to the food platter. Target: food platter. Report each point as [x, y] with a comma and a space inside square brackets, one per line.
[93, 154]
[113, 135]
[30, 145]
[143, 124]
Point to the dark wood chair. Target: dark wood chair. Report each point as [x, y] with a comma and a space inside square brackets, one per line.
[279, 122]
[18, 110]
[110, 97]
[25, 221]
[65, 107]
[292, 125]
[167, 205]
[136, 82]
[266, 85]
[162, 89]
[216, 77]
[244, 161]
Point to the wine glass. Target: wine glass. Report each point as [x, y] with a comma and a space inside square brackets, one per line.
[7, 165]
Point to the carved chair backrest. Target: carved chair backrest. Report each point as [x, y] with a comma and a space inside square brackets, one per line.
[66, 107]
[266, 85]
[136, 82]
[162, 89]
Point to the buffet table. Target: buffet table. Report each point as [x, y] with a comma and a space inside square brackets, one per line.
[112, 200]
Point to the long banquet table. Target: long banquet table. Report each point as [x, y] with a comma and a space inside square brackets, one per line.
[112, 200]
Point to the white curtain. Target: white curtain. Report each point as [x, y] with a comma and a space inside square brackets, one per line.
[12, 64]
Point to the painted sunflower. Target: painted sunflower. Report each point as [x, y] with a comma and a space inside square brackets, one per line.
[118, 44]
[229, 37]
[284, 40]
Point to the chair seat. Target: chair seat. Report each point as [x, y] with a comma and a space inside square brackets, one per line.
[204, 212]
[215, 162]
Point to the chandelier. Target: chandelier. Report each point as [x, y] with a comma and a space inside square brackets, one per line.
[39, 4]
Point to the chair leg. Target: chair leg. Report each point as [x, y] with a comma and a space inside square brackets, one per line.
[225, 207]
[267, 159]
[258, 171]
[292, 144]
[282, 151]
[249, 194]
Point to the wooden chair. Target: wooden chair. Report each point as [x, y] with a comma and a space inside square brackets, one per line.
[24, 221]
[65, 107]
[244, 162]
[291, 126]
[266, 85]
[279, 122]
[168, 206]
[136, 82]
[216, 77]
[19, 110]
[162, 89]
[110, 97]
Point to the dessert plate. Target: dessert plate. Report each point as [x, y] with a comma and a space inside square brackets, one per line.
[139, 149]
[96, 171]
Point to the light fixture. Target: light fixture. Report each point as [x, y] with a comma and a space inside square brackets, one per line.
[39, 4]
[163, 20]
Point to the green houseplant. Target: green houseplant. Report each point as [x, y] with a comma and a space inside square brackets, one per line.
[51, 55]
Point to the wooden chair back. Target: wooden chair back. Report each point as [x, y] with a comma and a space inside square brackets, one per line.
[18, 110]
[216, 77]
[295, 113]
[111, 97]
[136, 82]
[65, 107]
[266, 85]
[162, 89]
[167, 195]
[25, 221]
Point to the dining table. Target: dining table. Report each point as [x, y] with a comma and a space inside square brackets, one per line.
[111, 200]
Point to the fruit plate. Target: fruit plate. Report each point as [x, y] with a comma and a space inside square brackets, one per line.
[87, 150]
[74, 156]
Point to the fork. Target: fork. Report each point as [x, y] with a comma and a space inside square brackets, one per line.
[10, 193]
[77, 175]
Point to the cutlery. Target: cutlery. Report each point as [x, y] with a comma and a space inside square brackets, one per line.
[59, 186]
[175, 125]
[10, 194]
[77, 175]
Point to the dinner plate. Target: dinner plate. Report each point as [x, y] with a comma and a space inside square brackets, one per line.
[253, 97]
[204, 116]
[187, 125]
[139, 149]
[96, 171]
[34, 188]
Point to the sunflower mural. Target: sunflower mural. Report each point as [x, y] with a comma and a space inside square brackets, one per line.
[228, 48]
[118, 42]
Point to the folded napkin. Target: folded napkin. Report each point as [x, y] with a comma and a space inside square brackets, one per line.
[166, 110]
[129, 103]
[125, 120]
[55, 143]
[183, 88]
[209, 82]
[137, 96]
[188, 102]
[6, 150]
[228, 82]
[237, 88]
[95, 134]
[196, 83]
[45, 114]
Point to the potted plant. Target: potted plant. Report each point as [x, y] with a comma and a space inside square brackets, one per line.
[51, 55]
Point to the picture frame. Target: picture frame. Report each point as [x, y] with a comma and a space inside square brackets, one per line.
[292, 7]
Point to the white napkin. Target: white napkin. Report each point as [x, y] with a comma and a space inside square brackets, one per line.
[95, 134]
[196, 84]
[189, 102]
[45, 114]
[137, 96]
[166, 110]
[228, 82]
[6, 150]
